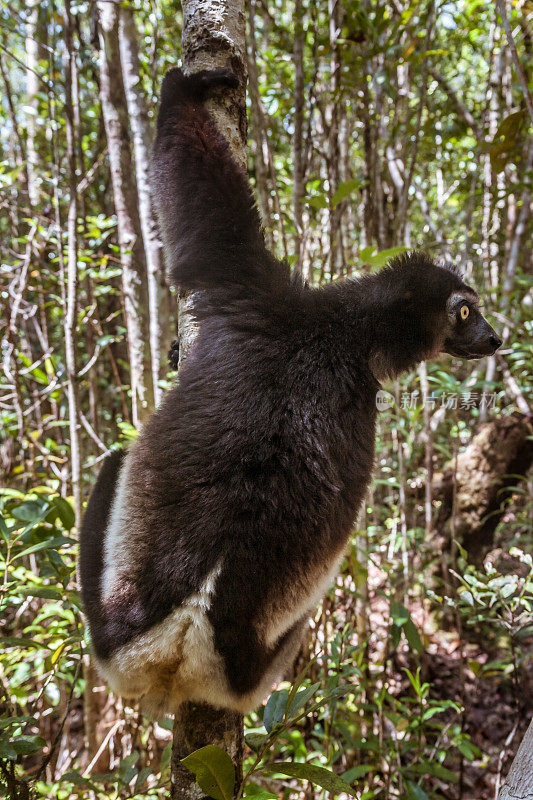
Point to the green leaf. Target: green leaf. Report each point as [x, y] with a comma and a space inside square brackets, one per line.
[344, 189]
[303, 696]
[275, 708]
[7, 751]
[395, 636]
[434, 768]
[165, 757]
[320, 776]
[31, 511]
[366, 252]
[4, 530]
[214, 771]
[412, 636]
[65, 512]
[318, 201]
[357, 772]
[258, 792]
[255, 740]
[24, 745]
[381, 258]
[467, 597]
[78, 780]
[48, 592]
[415, 792]
[15, 641]
[399, 614]
[51, 544]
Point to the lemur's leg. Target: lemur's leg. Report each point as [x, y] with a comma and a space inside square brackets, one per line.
[252, 667]
[211, 227]
[92, 539]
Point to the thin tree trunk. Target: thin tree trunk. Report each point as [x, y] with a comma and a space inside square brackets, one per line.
[335, 11]
[213, 36]
[142, 140]
[72, 270]
[134, 273]
[490, 214]
[197, 725]
[298, 178]
[403, 204]
[258, 133]
[32, 89]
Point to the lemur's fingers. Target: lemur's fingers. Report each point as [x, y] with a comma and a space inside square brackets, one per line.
[210, 78]
[178, 87]
[174, 354]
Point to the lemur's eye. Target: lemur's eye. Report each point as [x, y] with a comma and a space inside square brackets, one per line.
[465, 311]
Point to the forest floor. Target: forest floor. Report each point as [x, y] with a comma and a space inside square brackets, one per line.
[492, 717]
[471, 668]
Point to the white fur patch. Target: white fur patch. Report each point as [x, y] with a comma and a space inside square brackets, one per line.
[174, 660]
[116, 550]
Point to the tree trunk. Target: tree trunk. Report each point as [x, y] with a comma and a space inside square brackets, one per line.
[297, 151]
[501, 448]
[134, 273]
[72, 272]
[142, 140]
[197, 725]
[32, 88]
[336, 261]
[519, 782]
[213, 37]
[258, 133]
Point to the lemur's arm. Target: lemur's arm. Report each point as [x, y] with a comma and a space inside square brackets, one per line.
[210, 224]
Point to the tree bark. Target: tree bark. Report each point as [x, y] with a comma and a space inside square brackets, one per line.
[213, 36]
[298, 177]
[32, 89]
[519, 782]
[72, 272]
[258, 133]
[501, 448]
[197, 725]
[159, 321]
[336, 260]
[134, 272]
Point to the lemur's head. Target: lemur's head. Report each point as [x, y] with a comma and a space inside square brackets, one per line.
[468, 334]
[429, 311]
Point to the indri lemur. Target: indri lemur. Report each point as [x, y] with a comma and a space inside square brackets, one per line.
[206, 545]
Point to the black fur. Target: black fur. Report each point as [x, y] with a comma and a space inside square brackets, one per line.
[262, 454]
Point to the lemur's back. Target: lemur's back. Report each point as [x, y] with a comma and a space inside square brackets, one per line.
[235, 502]
[232, 510]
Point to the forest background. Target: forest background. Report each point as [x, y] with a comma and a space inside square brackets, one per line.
[373, 127]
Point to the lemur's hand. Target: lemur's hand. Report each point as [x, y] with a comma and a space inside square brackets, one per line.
[179, 88]
[174, 354]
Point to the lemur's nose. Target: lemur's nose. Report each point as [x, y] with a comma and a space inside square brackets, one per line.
[495, 341]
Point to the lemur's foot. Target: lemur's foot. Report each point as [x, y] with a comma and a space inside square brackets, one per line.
[178, 87]
[174, 354]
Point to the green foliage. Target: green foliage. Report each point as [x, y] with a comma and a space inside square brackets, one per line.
[214, 771]
[364, 711]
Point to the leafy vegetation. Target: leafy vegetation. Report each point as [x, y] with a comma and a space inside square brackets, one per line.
[405, 125]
